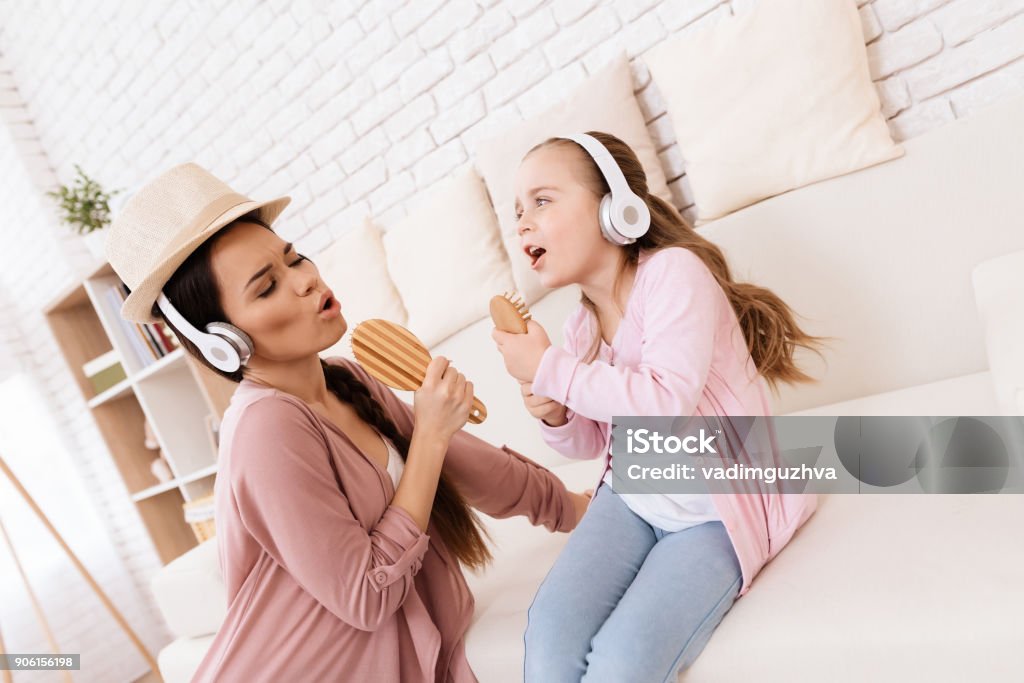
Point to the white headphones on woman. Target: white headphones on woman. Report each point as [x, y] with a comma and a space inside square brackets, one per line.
[224, 345]
[623, 216]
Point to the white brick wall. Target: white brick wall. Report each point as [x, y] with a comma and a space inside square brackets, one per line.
[352, 108]
[38, 263]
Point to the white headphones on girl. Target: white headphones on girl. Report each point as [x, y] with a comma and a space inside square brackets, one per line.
[623, 216]
[224, 345]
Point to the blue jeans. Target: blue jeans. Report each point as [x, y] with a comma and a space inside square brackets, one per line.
[626, 601]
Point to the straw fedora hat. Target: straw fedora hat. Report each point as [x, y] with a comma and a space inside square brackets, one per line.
[164, 222]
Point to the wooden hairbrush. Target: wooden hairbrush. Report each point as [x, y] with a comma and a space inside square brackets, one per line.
[509, 313]
[397, 358]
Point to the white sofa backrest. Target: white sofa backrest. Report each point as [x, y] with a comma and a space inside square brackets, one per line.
[882, 258]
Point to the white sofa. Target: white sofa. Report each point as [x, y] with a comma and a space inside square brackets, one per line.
[874, 587]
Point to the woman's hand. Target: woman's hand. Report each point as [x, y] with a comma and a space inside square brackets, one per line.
[580, 502]
[440, 408]
[442, 404]
[542, 407]
[522, 352]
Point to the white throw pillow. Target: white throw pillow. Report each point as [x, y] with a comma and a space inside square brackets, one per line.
[998, 289]
[604, 102]
[769, 100]
[355, 268]
[446, 257]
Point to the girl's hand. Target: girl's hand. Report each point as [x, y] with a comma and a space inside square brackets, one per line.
[522, 352]
[542, 407]
[442, 404]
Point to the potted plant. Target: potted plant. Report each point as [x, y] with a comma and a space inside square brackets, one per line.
[86, 208]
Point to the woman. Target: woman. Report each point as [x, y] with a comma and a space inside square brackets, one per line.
[342, 514]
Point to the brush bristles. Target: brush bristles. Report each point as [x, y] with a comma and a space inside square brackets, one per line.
[518, 303]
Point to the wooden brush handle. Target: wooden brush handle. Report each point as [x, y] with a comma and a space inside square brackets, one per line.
[478, 411]
[397, 358]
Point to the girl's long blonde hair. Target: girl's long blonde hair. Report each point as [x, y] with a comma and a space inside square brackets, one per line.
[768, 324]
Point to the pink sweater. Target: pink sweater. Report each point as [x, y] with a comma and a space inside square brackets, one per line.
[679, 350]
[326, 580]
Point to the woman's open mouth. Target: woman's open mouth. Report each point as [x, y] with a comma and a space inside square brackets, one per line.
[331, 309]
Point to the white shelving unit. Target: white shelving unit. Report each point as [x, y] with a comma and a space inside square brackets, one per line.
[178, 396]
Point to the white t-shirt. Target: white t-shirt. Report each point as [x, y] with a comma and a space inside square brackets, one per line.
[667, 511]
[395, 463]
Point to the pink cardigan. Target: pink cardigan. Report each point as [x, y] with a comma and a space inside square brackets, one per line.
[326, 580]
[679, 350]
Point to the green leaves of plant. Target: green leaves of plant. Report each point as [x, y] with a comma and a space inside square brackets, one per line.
[84, 205]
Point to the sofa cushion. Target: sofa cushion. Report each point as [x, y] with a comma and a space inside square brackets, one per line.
[446, 257]
[756, 114]
[179, 660]
[883, 587]
[998, 286]
[354, 266]
[605, 102]
[190, 592]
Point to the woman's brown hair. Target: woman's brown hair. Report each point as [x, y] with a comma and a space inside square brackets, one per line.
[194, 292]
[768, 324]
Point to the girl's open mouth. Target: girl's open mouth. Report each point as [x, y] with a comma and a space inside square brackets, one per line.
[536, 254]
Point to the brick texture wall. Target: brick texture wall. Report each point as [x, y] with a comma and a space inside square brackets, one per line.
[38, 261]
[352, 108]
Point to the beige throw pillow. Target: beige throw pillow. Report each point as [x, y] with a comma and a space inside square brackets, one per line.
[446, 257]
[769, 100]
[355, 268]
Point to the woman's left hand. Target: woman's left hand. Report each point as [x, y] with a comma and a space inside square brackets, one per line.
[522, 352]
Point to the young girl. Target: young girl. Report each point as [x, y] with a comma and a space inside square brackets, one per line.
[661, 329]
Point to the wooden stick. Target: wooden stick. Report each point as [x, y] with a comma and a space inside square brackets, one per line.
[114, 612]
[7, 672]
[38, 608]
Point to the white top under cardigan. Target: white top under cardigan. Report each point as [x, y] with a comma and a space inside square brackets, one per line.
[395, 463]
[666, 511]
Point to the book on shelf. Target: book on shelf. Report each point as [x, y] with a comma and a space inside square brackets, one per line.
[167, 337]
[104, 371]
[154, 340]
[149, 341]
[112, 302]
